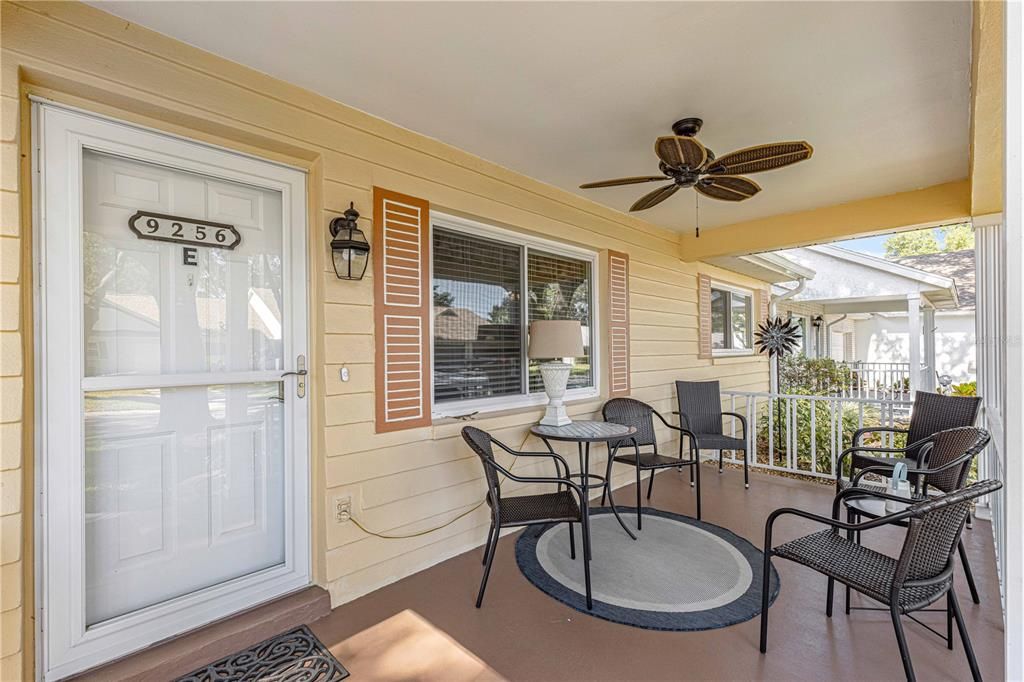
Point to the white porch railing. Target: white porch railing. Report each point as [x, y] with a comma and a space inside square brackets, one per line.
[889, 380]
[804, 434]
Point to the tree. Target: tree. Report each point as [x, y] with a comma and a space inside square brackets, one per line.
[954, 238]
[443, 299]
[957, 237]
[506, 312]
[913, 243]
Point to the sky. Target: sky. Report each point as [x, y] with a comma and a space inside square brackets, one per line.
[873, 246]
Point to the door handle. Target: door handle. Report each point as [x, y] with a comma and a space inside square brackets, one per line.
[300, 372]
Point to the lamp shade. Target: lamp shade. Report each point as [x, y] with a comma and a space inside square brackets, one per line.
[555, 339]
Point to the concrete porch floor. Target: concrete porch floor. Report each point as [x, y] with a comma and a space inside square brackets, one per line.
[425, 627]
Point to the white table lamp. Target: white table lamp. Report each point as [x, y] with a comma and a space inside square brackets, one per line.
[555, 339]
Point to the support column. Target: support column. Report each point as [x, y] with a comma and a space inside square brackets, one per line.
[914, 332]
[929, 382]
[1011, 551]
[990, 313]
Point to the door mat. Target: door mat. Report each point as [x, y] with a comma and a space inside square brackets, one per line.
[288, 657]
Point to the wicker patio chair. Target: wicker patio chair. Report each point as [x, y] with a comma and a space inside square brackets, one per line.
[949, 456]
[931, 413]
[700, 411]
[566, 505]
[921, 575]
[641, 416]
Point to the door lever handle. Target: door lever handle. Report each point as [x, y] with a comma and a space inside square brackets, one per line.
[300, 372]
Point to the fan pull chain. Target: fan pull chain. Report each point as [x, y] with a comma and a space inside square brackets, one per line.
[696, 210]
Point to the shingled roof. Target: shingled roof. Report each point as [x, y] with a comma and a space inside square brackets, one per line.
[957, 265]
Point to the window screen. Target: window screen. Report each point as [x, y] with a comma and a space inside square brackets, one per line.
[559, 289]
[478, 329]
[740, 319]
[718, 303]
[731, 313]
[484, 300]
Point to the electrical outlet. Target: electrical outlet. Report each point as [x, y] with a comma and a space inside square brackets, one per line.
[342, 508]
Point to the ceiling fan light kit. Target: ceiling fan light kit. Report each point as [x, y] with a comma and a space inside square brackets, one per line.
[687, 163]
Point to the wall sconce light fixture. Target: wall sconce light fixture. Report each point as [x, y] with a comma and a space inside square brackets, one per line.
[817, 321]
[349, 248]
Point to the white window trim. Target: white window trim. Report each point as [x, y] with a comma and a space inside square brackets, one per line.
[500, 403]
[736, 352]
[731, 352]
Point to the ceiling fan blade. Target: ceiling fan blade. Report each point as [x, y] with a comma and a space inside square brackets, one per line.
[680, 152]
[654, 198]
[763, 157]
[622, 181]
[727, 187]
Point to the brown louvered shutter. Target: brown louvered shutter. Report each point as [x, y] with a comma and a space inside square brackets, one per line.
[618, 323]
[764, 298]
[703, 316]
[401, 272]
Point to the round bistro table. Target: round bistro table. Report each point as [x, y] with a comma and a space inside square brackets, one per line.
[583, 433]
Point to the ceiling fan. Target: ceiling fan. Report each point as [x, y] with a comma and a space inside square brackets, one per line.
[688, 163]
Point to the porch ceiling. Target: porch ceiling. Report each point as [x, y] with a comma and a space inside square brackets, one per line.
[573, 92]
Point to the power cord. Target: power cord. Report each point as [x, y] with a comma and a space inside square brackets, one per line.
[389, 536]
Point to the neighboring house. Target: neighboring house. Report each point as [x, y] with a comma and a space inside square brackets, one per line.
[857, 308]
[884, 338]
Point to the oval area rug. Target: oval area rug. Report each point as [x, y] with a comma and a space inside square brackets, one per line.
[680, 573]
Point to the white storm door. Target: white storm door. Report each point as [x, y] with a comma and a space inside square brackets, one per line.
[174, 444]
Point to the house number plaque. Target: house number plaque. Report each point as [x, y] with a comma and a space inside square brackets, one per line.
[175, 229]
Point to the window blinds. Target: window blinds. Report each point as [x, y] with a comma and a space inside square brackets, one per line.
[477, 309]
[559, 289]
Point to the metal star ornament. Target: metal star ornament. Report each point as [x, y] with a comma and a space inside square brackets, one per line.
[778, 337]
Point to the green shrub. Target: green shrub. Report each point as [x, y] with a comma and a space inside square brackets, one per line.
[966, 389]
[799, 375]
[828, 428]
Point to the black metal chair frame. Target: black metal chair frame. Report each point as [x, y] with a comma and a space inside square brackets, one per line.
[494, 501]
[642, 412]
[913, 517]
[684, 421]
[920, 476]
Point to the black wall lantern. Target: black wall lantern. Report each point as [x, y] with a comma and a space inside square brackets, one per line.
[349, 247]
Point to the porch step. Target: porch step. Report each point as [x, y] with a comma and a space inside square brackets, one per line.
[183, 654]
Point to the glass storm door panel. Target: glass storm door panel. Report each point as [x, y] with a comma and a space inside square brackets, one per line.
[145, 310]
[183, 476]
[184, 489]
[183, 485]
